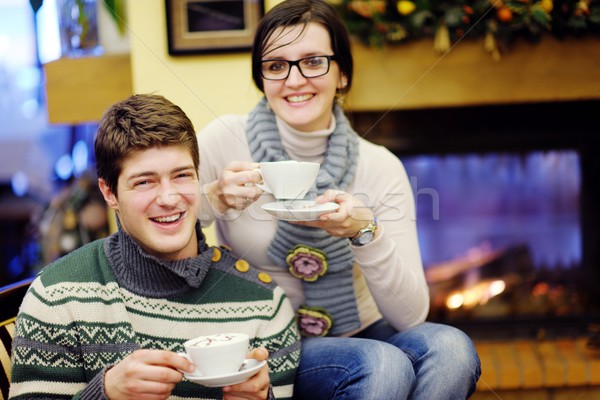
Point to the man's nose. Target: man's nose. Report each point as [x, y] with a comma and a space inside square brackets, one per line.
[168, 195]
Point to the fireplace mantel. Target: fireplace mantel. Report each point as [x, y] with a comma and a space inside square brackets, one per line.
[413, 76]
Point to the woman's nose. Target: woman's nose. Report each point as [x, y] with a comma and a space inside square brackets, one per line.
[295, 76]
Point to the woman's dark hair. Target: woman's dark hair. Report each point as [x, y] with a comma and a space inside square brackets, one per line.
[290, 13]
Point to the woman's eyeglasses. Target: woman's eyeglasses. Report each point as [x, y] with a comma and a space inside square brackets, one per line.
[309, 67]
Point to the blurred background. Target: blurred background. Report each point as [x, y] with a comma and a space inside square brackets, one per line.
[491, 106]
[39, 161]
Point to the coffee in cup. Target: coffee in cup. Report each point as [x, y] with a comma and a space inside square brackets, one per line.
[219, 354]
[288, 180]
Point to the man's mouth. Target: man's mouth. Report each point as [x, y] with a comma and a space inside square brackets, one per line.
[299, 99]
[169, 219]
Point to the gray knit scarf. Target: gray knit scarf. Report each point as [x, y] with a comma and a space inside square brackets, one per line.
[328, 284]
[146, 275]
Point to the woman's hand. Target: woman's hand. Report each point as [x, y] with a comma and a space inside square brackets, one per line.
[235, 188]
[346, 221]
[255, 388]
[145, 374]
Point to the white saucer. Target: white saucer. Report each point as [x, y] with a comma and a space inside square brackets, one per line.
[299, 210]
[252, 366]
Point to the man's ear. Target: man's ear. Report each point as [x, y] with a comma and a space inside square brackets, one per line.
[109, 196]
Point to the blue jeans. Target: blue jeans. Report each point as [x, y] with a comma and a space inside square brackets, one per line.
[428, 362]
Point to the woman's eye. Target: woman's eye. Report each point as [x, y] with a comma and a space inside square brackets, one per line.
[277, 66]
[312, 62]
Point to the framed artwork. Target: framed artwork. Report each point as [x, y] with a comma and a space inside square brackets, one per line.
[208, 26]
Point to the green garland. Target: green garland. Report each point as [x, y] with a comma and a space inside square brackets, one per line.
[390, 22]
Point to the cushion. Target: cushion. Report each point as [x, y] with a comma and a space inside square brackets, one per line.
[7, 332]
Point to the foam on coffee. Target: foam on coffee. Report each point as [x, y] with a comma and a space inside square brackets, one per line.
[215, 340]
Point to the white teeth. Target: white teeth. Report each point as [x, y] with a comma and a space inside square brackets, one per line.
[172, 218]
[298, 99]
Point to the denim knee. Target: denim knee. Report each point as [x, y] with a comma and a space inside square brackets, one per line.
[353, 368]
[459, 348]
[444, 358]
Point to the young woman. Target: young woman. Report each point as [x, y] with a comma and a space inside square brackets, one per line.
[355, 276]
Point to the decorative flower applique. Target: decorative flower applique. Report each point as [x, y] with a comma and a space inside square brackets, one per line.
[314, 321]
[307, 263]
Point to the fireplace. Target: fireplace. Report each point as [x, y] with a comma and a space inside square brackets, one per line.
[515, 254]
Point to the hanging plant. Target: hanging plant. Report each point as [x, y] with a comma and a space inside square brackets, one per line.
[116, 9]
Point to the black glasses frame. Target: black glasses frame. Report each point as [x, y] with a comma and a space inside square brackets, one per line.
[297, 64]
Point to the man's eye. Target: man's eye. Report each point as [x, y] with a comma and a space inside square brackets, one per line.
[141, 183]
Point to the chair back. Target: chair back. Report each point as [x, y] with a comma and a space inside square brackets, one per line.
[11, 297]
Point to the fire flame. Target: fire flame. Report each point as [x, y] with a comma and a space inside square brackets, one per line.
[480, 294]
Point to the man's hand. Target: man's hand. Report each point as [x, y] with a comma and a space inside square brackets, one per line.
[255, 388]
[146, 374]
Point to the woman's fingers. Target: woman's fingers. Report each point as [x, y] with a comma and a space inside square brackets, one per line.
[236, 186]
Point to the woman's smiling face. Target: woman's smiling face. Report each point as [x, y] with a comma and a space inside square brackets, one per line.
[303, 103]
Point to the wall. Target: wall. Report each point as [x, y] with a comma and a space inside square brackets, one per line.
[204, 86]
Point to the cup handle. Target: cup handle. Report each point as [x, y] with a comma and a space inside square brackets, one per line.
[262, 184]
[187, 356]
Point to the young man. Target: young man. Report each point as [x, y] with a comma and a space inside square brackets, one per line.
[107, 320]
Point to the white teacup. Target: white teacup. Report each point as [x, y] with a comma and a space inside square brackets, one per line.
[288, 180]
[219, 354]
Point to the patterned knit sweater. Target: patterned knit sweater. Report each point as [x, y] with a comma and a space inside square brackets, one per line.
[79, 318]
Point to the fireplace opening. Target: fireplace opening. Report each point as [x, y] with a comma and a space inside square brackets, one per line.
[506, 212]
[500, 235]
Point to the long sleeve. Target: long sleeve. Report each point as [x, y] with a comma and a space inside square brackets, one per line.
[228, 131]
[76, 321]
[281, 338]
[391, 265]
[48, 359]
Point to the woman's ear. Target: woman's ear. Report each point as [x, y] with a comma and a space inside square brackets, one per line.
[343, 82]
[109, 196]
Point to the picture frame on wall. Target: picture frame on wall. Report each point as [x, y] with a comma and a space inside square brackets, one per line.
[211, 26]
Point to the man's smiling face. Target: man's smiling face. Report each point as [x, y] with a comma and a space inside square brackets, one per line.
[157, 200]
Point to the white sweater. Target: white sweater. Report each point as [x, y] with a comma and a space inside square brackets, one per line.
[390, 265]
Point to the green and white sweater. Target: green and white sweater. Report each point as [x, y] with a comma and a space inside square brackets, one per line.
[93, 307]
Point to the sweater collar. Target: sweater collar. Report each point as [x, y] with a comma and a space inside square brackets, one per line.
[146, 275]
[306, 146]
